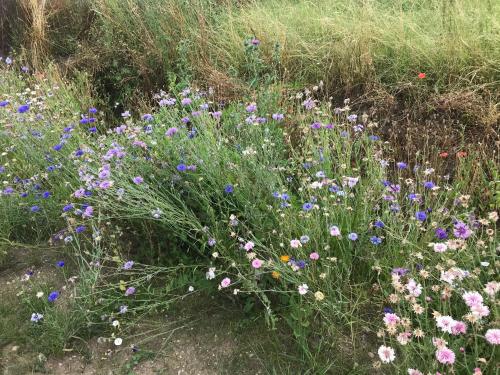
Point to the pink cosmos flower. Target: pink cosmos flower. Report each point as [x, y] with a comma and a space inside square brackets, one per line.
[386, 354]
[445, 356]
[256, 263]
[493, 336]
[225, 282]
[314, 256]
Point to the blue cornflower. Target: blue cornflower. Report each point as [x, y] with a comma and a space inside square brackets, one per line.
[304, 239]
[441, 233]
[53, 296]
[60, 264]
[46, 194]
[93, 129]
[92, 110]
[23, 108]
[401, 165]
[352, 236]
[307, 206]
[35, 208]
[80, 229]
[429, 184]
[228, 189]
[375, 240]
[57, 147]
[379, 224]
[68, 207]
[285, 197]
[421, 216]
[128, 265]
[388, 310]
[181, 167]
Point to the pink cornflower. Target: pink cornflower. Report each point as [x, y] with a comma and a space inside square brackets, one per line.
[225, 282]
[256, 263]
[314, 256]
[493, 336]
[480, 311]
[386, 354]
[391, 319]
[334, 231]
[412, 371]
[413, 288]
[458, 328]
[445, 356]
[472, 298]
[249, 246]
[295, 244]
[445, 323]
[440, 247]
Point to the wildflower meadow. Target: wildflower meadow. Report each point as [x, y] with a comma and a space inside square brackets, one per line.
[342, 250]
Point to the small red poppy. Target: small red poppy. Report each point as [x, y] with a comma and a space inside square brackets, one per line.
[421, 75]
[443, 154]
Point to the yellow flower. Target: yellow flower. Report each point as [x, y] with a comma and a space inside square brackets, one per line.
[285, 258]
[275, 275]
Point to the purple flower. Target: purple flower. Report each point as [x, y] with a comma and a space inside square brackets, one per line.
[375, 240]
[123, 309]
[251, 107]
[379, 224]
[461, 230]
[400, 271]
[181, 167]
[92, 110]
[35, 208]
[309, 104]
[147, 117]
[401, 165]
[278, 116]
[53, 296]
[60, 264]
[186, 101]
[171, 132]
[4, 103]
[128, 265]
[57, 147]
[138, 180]
[228, 189]
[130, 290]
[211, 242]
[255, 42]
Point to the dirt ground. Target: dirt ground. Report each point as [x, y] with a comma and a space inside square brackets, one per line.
[193, 342]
